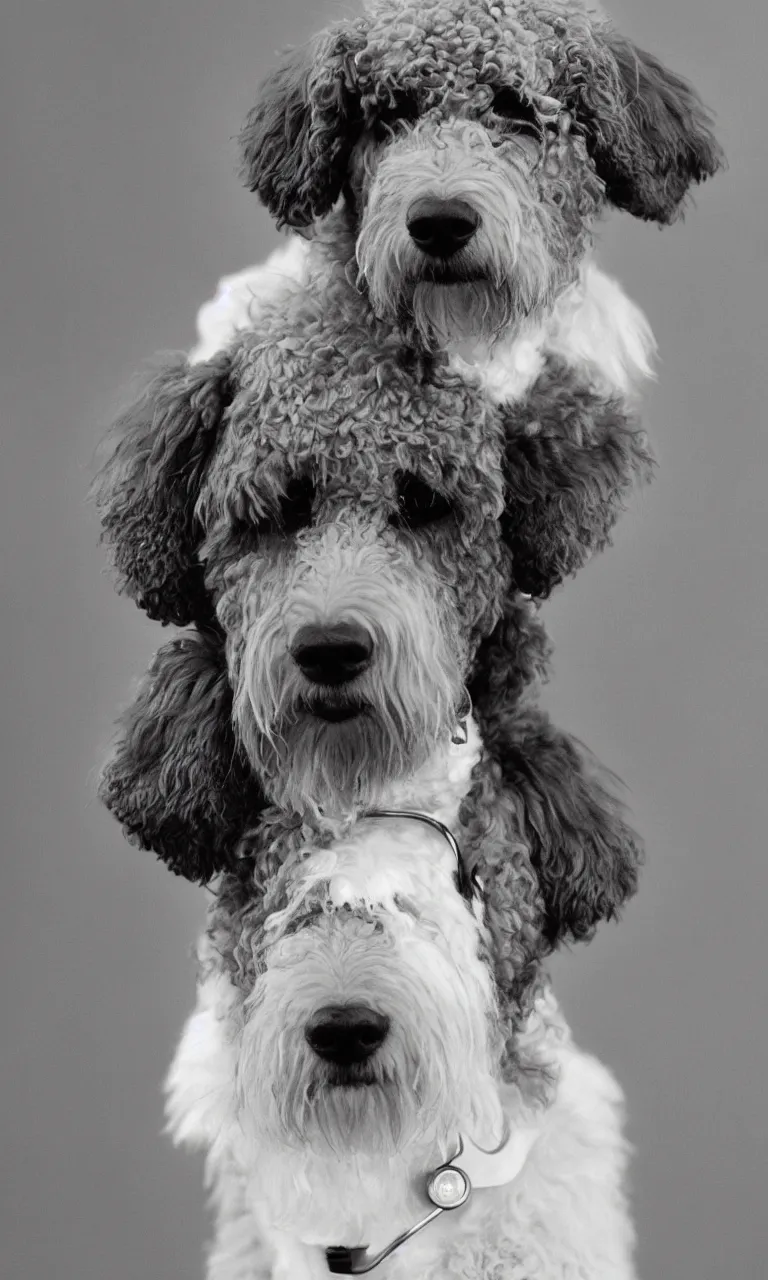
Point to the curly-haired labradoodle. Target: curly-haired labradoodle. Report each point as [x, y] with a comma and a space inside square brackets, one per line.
[377, 1068]
[455, 158]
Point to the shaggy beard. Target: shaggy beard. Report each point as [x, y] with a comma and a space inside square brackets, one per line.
[506, 276]
[383, 1113]
[406, 704]
[438, 313]
[442, 314]
[375, 1118]
[340, 768]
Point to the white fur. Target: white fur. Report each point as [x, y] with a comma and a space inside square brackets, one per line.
[563, 1217]
[440, 785]
[593, 326]
[280, 1202]
[238, 297]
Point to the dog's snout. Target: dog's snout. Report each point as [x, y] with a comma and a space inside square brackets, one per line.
[441, 227]
[346, 1033]
[332, 655]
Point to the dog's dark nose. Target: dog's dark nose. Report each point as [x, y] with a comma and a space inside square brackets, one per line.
[332, 654]
[346, 1033]
[441, 227]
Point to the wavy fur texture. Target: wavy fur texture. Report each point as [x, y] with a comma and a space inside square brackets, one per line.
[178, 780]
[272, 488]
[649, 135]
[321, 397]
[566, 804]
[573, 450]
[296, 142]
[156, 455]
[561, 351]
[573, 459]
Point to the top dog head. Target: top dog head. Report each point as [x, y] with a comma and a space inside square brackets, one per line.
[474, 145]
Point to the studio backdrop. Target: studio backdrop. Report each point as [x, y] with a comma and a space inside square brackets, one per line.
[121, 210]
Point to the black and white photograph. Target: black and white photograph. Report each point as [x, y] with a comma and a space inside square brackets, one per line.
[385, 640]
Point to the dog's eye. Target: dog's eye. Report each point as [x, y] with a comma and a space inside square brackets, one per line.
[516, 111]
[293, 513]
[296, 505]
[418, 504]
[402, 109]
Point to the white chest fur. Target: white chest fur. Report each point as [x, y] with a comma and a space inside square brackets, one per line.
[379, 858]
[593, 327]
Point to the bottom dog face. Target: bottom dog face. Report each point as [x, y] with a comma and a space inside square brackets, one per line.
[363, 1020]
[346, 1036]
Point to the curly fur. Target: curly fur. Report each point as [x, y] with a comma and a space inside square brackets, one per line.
[529, 325]
[157, 453]
[178, 781]
[394, 104]
[195, 497]
[574, 460]
[296, 143]
[593, 328]
[646, 132]
[464, 787]
[585, 855]
[571, 453]
[357, 370]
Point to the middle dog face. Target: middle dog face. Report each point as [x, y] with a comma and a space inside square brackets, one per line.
[356, 562]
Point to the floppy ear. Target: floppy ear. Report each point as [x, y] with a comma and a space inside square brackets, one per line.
[646, 129]
[297, 140]
[572, 455]
[510, 666]
[158, 450]
[178, 780]
[585, 856]
[496, 853]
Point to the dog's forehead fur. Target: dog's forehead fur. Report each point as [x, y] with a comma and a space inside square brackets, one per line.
[401, 875]
[386, 879]
[352, 423]
[442, 50]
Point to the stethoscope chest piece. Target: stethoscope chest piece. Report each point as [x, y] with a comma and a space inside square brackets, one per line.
[448, 1187]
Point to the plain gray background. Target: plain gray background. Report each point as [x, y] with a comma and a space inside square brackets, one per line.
[121, 209]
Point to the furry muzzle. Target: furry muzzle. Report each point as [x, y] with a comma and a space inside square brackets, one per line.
[335, 747]
[507, 272]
